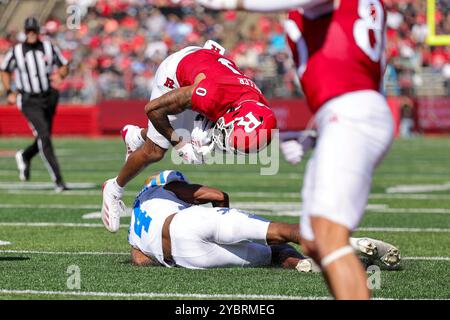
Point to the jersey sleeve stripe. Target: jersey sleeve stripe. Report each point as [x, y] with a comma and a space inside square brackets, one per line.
[9, 58]
[59, 58]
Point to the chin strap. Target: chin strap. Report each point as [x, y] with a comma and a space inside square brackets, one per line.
[335, 255]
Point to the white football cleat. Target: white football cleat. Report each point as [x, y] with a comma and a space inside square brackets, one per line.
[364, 247]
[112, 208]
[377, 251]
[23, 166]
[131, 136]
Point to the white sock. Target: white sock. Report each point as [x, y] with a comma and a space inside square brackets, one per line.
[141, 140]
[136, 140]
[117, 190]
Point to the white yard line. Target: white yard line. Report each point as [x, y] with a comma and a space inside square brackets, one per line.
[414, 188]
[427, 258]
[99, 225]
[47, 206]
[55, 224]
[99, 253]
[43, 185]
[174, 295]
[285, 195]
[70, 193]
[67, 253]
[292, 209]
[160, 295]
[262, 194]
[411, 210]
[263, 208]
[4, 243]
[410, 230]
[409, 196]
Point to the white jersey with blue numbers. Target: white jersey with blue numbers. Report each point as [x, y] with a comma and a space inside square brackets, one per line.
[151, 208]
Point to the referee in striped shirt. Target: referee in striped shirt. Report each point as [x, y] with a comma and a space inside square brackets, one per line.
[33, 63]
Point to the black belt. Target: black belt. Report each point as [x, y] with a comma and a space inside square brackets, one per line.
[36, 95]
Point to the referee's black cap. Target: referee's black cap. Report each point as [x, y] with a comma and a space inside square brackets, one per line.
[31, 24]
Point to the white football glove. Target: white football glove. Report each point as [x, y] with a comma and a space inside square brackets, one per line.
[189, 156]
[201, 136]
[292, 151]
[218, 4]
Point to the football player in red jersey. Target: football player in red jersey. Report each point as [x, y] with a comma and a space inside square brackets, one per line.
[191, 83]
[338, 47]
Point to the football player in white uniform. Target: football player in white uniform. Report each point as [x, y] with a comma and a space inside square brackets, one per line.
[169, 227]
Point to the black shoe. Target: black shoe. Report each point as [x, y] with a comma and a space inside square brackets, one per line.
[61, 187]
[23, 166]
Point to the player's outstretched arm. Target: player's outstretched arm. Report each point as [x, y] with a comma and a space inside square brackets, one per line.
[171, 103]
[258, 5]
[198, 194]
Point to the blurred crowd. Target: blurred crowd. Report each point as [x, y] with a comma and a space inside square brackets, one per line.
[406, 48]
[117, 45]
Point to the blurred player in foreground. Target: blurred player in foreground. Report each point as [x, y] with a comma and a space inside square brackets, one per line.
[168, 228]
[338, 48]
[191, 82]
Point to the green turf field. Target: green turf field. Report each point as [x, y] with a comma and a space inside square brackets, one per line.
[409, 207]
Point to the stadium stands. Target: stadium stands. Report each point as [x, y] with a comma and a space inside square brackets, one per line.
[119, 44]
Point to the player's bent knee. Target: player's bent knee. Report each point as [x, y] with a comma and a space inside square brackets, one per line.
[328, 235]
[153, 152]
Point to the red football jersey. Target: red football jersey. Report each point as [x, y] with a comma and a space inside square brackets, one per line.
[225, 86]
[340, 52]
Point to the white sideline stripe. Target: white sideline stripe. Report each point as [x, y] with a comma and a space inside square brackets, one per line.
[376, 229]
[411, 196]
[47, 206]
[71, 193]
[176, 295]
[411, 210]
[428, 258]
[292, 209]
[270, 209]
[99, 225]
[98, 215]
[161, 295]
[262, 194]
[278, 209]
[43, 185]
[99, 253]
[55, 224]
[68, 253]
[411, 188]
[266, 208]
[4, 243]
